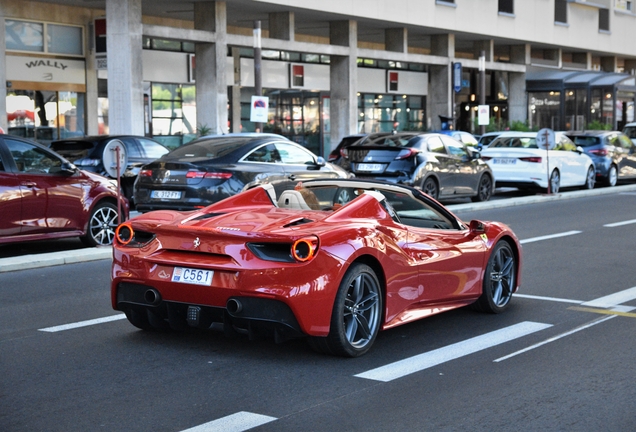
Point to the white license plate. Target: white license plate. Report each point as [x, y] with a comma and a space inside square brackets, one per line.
[369, 167]
[192, 276]
[165, 194]
[505, 161]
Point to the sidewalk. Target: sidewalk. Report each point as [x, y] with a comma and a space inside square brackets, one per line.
[26, 262]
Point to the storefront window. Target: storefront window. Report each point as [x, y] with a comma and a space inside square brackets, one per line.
[385, 113]
[575, 106]
[624, 108]
[602, 109]
[173, 109]
[543, 109]
[31, 36]
[45, 115]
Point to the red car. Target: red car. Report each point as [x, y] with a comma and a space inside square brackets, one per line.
[333, 260]
[44, 196]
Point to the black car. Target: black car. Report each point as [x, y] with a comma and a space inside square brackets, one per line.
[338, 156]
[87, 153]
[613, 153]
[212, 168]
[439, 165]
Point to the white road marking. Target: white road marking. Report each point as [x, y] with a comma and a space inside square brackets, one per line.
[83, 323]
[617, 224]
[454, 351]
[613, 300]
[238, 422]
[554, 299]
[549, 237]
[552, 339]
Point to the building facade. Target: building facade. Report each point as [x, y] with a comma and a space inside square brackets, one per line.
[175, 69]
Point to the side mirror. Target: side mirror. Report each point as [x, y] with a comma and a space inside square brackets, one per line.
[68, 168]
[320, 161]
[477, 227]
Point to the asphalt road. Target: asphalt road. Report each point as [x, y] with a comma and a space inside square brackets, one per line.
[560, 358]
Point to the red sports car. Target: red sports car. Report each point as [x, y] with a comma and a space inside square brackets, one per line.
[332, 260]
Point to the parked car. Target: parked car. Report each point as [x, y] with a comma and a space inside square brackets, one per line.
[485, 139]
[338, 156]
[613, 153]
[437, 164]
[630, 130]
[44, 196]
[261, 263]
[213, 168]
[517, 161]
[463, 137]
[87, 153]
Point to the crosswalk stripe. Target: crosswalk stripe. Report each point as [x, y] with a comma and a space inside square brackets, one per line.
[238, 422]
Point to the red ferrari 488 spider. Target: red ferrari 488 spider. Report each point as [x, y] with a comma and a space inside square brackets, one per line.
[332, 260]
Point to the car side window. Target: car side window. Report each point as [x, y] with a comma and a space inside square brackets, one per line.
[436, 145]
[31, 159]
[152, 149]
[564, 144]
[266, 154]
[625, 142]
[1, 164]
[455, 148]
[131, 147]
[291, 154]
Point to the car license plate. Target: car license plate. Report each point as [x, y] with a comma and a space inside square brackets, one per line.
[192, 276]
[505, 161]
[369, 167]
[161, 194]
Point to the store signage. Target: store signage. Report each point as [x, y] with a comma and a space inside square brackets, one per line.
[457, 77]
[38, 69]
[483, 115]
[392, 81]
[297, 75]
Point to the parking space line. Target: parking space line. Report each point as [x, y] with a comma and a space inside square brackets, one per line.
[454, 351]
[549, 237]
[617, 224]
[554, 299]
[238, 422]
[557, 337]
[82, 323]
[612, 300]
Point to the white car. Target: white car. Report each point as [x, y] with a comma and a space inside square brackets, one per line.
[517, 161]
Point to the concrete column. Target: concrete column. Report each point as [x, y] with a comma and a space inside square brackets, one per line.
[343, 75]
[281, 26]
[440, 97]
[124, 45]
[517, 96]
[92, 93]
[211, 81]
[396, 39]
[3, 72]
[609, 64]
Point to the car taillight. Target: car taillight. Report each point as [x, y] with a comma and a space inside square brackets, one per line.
[125, 235]
[406, 153]
[599, 152]
[205, 174]
[304, 249]
[145, 173]
[344, 153]
[534, 159]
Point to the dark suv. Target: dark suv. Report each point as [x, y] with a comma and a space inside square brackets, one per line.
[87, 153]
[613, 153]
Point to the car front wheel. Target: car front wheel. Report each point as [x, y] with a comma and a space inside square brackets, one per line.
[102, 224]
[612, 177]
[499, 280]
[356, 316]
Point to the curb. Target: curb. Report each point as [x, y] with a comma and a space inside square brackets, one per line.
[27, 262]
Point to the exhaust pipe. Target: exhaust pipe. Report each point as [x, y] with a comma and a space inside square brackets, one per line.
[234, 306]
[152, 297]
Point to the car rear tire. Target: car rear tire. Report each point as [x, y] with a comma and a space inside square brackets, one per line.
[356, 316]
[612, 177]
[590, 178]
[499, 280]
[430, 187]
[102, 224]
[484, 189]
[555, 182]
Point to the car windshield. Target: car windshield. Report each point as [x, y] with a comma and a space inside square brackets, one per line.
[517, 142]
[212, 148]
[586, 141]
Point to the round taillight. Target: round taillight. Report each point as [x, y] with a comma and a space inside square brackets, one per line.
[304, 249]
[124, 234]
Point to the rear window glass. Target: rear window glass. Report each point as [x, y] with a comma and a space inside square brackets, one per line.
[585, 141]
[390, 140]
[209, 148]
[518, 142]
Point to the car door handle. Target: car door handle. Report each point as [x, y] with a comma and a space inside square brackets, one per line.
[28, 184]
[292, 177]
